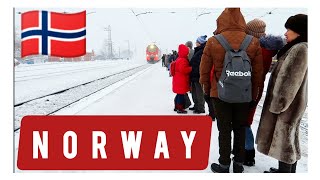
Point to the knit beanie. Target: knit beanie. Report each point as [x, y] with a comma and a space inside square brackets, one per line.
[298, 23]
[189, 44]
[256, 28]
[201, 39]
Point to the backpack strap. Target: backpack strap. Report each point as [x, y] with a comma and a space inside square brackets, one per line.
[245, 43]
[224, 43]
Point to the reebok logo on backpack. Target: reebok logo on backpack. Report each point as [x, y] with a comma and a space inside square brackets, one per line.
[234, 85]
[239, 73]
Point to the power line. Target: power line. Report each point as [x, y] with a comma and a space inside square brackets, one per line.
[143, 13]
[267, 13]
[202, 14]
[143, 26]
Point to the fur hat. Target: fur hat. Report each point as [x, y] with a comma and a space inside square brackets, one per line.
[256, 28]
[201, 39]
[298, 23]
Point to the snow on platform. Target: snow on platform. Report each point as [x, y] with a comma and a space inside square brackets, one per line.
[150, 93]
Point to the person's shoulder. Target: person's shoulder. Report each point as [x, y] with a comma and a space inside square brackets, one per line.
[211, 39]
[255, 41]
[299, 47]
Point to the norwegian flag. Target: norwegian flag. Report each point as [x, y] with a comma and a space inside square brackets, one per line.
[54, 34]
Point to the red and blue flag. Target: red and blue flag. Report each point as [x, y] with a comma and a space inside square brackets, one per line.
[54, 34]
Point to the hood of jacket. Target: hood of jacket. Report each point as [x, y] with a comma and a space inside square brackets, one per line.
[231, 19]
[271, 42]
[183, 51]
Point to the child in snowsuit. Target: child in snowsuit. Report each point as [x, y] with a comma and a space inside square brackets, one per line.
[180, 71]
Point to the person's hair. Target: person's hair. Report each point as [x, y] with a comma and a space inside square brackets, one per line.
[189, 44]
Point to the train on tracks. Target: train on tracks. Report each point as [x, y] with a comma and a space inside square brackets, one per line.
[153, 53]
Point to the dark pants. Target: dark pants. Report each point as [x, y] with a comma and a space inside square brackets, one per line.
[231, 117]
[210, 106]
[197, 96]
[249, 139]
[179, 99]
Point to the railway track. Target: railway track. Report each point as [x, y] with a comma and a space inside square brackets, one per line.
[54, 102]
[64, 71]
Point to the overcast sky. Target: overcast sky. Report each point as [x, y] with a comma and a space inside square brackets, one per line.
[166, 27]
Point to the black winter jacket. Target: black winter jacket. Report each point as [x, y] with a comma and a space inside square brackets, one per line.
[195, 63]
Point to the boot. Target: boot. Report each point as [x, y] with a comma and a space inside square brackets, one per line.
[219, 168]
[175, 107]
[272, 170]
[180, 109]
[283, 168]
[237, 167]
[294, 167]
[198, 112]
[249, 158]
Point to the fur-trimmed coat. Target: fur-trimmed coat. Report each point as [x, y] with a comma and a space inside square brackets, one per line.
[284, 106]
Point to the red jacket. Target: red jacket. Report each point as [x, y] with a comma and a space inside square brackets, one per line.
[181, 79]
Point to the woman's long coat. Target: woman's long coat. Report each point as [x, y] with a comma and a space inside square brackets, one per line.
[284, 106]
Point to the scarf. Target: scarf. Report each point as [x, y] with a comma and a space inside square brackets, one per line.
[285, 48]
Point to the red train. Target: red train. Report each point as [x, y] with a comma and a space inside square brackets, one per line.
[153, 54]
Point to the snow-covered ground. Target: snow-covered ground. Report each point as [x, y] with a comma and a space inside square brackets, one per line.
[86, 78]
[34, 80]
[149, 93]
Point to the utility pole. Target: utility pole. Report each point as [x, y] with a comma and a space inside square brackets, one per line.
[109, 42]
[128, 48]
